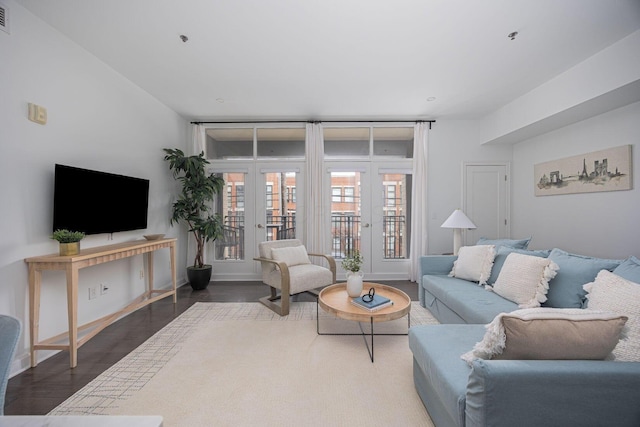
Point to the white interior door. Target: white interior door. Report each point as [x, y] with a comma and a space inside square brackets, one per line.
[486, 200]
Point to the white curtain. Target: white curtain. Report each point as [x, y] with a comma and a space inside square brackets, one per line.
[315, 233]
[419, 245]
[198, 139]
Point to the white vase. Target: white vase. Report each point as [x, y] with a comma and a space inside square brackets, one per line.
[354, 283]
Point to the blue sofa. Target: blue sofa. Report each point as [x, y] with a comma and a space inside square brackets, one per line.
[506, 392]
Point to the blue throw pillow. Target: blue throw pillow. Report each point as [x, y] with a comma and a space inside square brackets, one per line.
[565, 290]
[629, 269]
[501, 256]
[512, 243]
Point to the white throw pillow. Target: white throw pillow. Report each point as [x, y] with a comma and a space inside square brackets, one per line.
[474, 263]
[524, 279]
[550, 334]
[291, 255]
[613, 293]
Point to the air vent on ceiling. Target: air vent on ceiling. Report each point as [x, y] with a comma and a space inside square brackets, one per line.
[4, 18]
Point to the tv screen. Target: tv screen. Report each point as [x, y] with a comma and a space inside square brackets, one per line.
[98, 202]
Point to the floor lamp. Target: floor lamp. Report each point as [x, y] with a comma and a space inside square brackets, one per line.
[458, 220]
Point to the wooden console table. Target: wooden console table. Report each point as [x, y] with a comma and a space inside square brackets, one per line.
[71, 265]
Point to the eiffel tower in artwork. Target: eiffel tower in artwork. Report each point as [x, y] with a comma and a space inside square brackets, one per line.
[584, 174]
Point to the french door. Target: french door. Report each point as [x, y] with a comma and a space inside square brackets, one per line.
[262, 201]
[367, 202]
[369, 212]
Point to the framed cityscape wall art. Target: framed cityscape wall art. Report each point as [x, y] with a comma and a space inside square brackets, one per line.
[605, 170]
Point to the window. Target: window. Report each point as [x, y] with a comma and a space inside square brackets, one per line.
[229, 144]
[336, 194]
[393, 142]
[291, 194]
[348, 194]
[346, 142]
[390, 199]
[269, 196]
[281, 142]
[240, 195]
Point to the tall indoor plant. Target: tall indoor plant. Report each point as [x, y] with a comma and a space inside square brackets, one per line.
[194, 207]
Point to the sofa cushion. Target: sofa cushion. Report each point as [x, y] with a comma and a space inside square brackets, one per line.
[472, 303]
[550, 334]
[611, 292]
[629, 269]
[436, 349]
[524, 279]
[565, 290]
[474, 263]
[501, 256]
[512, 243]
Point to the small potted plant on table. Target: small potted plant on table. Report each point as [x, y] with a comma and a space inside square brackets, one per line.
[69, 241]
[352, 264]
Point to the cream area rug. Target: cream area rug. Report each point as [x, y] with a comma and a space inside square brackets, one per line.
[240, 364]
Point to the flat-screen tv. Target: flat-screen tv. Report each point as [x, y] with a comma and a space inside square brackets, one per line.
[98, 202]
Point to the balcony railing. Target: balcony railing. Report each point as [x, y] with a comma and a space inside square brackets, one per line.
[280, 227]
[345, 231]
[393, 232]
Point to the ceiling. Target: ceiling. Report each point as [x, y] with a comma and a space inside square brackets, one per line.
[339, 59]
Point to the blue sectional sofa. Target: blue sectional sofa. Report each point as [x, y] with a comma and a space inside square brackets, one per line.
[507, 392]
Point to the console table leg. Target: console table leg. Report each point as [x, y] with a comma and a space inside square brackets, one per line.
[72, 306]
[35, 277]
[172, 255]
[150, 272]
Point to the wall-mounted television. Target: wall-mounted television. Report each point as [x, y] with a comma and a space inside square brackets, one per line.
[98, 202]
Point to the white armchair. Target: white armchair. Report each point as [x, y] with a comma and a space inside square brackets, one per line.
[286, 267]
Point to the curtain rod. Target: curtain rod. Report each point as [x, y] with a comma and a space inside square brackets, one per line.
[317, 121]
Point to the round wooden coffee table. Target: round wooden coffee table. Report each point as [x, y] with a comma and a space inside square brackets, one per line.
[335, 300]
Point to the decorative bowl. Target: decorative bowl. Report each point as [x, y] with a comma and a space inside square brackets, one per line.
[153, 236]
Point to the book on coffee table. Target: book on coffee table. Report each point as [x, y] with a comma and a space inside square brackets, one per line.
[378, 303]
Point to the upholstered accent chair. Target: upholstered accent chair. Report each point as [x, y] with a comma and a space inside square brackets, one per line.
[286, 267]
[9, 333]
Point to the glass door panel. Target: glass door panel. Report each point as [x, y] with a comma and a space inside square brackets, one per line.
[280, 205]
[394, 220]
[350, 216]
[345, 213]
[232, 254]
[391, 207]
[232, 244]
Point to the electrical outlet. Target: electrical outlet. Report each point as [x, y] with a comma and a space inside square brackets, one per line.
[142, 274]
[93, 292]
[103, 289]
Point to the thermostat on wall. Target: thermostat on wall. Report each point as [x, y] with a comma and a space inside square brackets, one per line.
[37, 114]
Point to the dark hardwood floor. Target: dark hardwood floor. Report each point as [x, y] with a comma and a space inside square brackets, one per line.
[38, 390]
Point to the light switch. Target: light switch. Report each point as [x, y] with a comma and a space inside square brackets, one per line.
[37, 114]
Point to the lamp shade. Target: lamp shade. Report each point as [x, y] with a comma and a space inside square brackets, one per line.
[458, 220]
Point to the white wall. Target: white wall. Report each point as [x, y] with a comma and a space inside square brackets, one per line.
[597, 224]
[451, 143]
[97, 120]
[598, 84]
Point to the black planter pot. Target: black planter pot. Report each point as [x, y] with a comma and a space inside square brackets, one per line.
[199, 277]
